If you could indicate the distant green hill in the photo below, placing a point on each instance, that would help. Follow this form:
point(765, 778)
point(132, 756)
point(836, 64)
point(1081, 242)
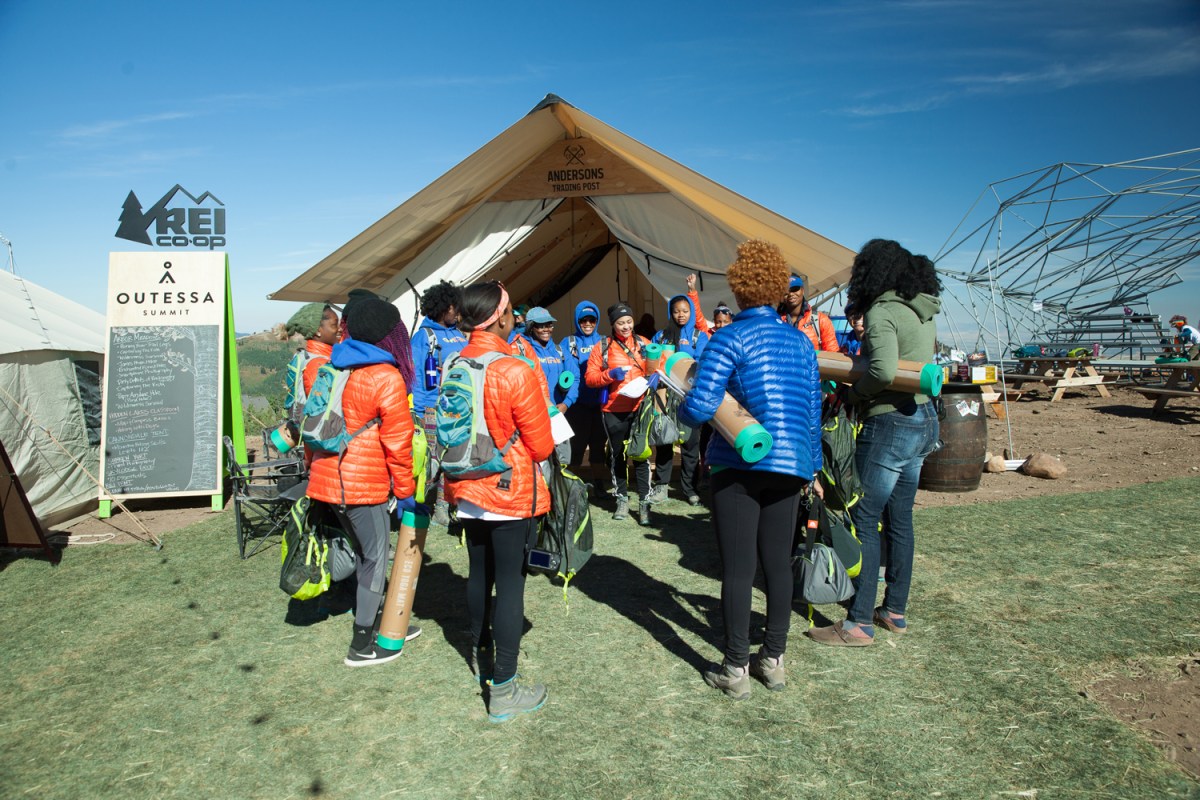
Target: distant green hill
point(262, 366)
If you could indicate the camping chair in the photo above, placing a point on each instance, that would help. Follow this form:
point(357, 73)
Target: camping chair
point(263, 494)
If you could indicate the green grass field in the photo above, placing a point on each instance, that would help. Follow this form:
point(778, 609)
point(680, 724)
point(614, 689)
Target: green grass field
point(187, 673)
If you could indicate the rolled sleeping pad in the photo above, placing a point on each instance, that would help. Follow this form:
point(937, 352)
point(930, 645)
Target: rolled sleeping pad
point(750, 440)
point(931, 380)
point(282, 438)
point(566, 379)
point(911, 376)
point(402, 586)
point(654, 350)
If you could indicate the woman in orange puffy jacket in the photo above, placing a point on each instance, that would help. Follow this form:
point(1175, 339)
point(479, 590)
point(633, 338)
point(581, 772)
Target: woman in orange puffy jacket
point(376, 466)
point(615, 362)
point(499, 512)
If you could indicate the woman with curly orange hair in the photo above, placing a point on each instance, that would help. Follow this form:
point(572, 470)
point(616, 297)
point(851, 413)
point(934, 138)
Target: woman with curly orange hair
point(771, 369)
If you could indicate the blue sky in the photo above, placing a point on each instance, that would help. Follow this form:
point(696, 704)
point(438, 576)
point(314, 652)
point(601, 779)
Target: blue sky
point(310, 120)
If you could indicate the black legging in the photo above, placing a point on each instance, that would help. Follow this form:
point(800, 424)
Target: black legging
point(590, 435)
point(755, 517)
point(617, 425)
point(689, 460)
point(496, 552)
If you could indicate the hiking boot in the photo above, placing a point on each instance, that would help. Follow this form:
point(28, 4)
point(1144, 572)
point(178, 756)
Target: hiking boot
point(506, 700)
point(622, 511)
point(656, 495)
point(733, 681)
point(441, 513)
point(644, 513)
point(769, 671)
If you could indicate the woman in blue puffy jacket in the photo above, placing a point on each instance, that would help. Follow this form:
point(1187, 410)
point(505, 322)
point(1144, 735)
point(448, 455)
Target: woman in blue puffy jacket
point(682, 333)
point(769, 367)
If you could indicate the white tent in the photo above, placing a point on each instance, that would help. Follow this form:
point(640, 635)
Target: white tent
point(51, 359)
point(561, 208)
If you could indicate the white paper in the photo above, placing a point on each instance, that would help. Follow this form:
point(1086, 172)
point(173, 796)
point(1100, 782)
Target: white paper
point(635, 388)
point(560, 429)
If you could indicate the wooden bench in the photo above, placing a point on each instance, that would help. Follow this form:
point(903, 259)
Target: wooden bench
point(1183, 374)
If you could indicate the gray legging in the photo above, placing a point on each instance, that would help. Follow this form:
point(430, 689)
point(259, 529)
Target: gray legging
point(368, 528)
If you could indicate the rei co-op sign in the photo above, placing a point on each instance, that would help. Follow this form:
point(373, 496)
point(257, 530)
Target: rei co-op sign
point(170, 222)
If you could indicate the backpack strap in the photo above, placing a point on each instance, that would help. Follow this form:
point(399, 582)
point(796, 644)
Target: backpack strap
point(353, 436)
point(629, 353)
point(607, 343)
point(505, 477)
point(573, 346)
point(435, 346)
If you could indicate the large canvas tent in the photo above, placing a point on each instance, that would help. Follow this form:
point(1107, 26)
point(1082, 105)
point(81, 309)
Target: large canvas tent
point(51, 359)
point(561, 208)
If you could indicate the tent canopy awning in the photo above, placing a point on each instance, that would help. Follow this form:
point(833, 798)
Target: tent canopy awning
point(34, 318)
point(662, 213)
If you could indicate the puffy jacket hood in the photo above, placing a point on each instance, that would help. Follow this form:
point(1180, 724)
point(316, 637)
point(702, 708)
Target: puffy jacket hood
point(695, 338)
point(353, 353)
point(925, 306)
point(587, 309)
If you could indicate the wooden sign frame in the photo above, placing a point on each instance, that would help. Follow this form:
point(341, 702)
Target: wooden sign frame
point(166, 391)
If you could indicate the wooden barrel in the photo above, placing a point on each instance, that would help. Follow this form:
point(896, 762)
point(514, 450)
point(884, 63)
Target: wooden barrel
point(958, 464)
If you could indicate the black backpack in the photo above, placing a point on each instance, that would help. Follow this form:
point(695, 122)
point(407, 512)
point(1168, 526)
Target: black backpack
point(839, 472)
point(564, 542)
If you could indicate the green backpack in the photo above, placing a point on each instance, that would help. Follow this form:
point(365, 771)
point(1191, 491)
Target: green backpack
point(304, 553)
point(839, 472)
point(564, 542)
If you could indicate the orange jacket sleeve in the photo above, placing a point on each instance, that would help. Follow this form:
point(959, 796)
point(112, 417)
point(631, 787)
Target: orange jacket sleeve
point(828, 335)
point(595, 377)
point(396, 434)
point(532, 418)
point(701, 323)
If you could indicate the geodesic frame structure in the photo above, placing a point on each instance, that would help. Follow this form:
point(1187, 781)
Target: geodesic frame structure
point(1072, 248)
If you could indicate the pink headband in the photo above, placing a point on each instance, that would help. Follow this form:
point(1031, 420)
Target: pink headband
point(490, 321)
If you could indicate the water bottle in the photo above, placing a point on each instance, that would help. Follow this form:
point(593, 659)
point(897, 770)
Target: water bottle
point(432, 375)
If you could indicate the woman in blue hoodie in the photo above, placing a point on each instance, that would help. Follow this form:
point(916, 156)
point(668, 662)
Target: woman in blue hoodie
point(584, 414)
point(683, 334)
point(770, 369)
point(436, 340)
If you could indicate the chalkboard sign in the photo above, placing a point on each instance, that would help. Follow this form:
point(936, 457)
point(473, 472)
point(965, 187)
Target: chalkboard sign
point(162, 412)
point(163, 387)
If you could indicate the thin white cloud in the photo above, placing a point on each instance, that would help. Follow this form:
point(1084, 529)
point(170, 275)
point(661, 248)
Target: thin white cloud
point(91, 131)
point(135, 163)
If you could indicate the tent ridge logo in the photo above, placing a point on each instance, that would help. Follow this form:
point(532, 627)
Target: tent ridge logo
point(197, 225)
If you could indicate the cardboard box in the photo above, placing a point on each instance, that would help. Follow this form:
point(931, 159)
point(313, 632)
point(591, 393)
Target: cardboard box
point(984, 374)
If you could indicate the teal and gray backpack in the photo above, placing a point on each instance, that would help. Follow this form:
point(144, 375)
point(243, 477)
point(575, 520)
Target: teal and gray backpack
point(296, 396)
point(465, 448)
point(324, 427)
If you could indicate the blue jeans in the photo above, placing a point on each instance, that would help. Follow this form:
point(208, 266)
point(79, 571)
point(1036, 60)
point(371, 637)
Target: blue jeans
point(891, 448)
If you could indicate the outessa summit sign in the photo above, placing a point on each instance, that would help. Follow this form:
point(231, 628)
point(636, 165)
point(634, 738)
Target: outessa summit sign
point(175, 223)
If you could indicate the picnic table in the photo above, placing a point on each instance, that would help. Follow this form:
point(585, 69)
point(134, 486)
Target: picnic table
point(1181, 382)
point(1058, 373)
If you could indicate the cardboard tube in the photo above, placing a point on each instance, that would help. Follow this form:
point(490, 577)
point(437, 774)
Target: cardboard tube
point(911, 376)
point(750, 440)
point(402, 586)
